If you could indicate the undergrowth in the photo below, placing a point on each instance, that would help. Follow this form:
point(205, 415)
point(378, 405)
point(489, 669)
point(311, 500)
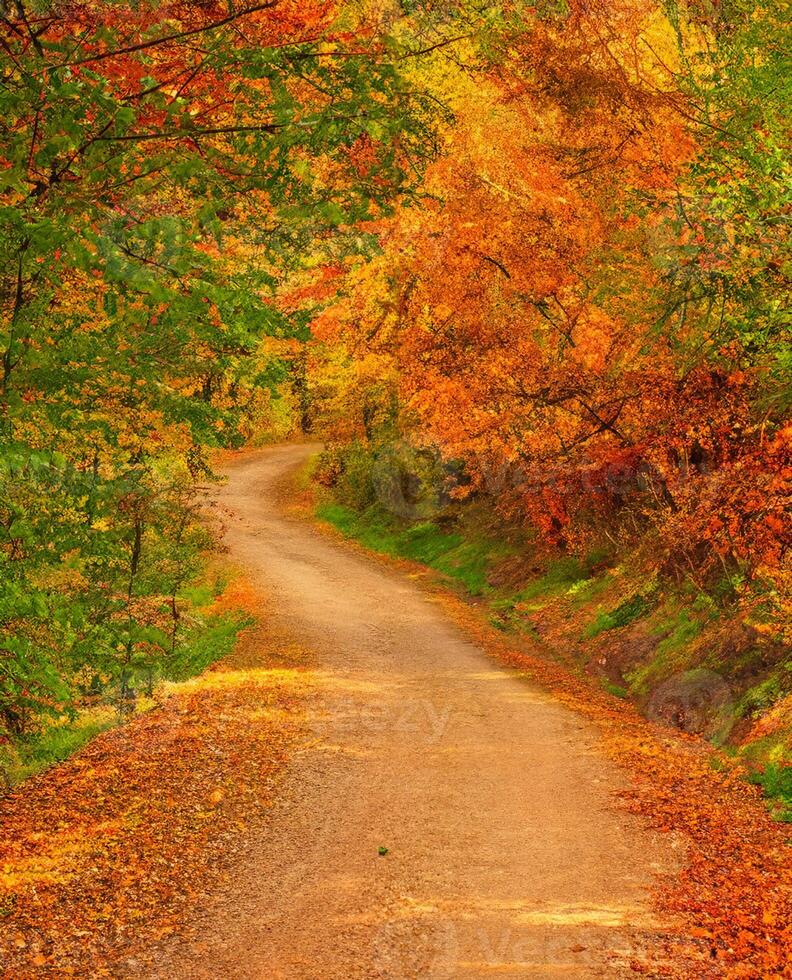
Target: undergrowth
point(775, 780)
point(464, 560)
point(208, 637)
point(625, 613)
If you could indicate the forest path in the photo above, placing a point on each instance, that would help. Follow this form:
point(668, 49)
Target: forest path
point(507, 853)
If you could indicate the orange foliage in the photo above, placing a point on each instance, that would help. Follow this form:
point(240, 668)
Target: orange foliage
point(525, 305)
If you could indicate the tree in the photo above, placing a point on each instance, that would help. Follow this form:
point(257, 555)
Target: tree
point(162, 169)
point(586, 310)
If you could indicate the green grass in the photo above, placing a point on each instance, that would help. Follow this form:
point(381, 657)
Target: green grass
point(677, 631)
point(39, 751)
point(616, 690)
point(582, 592)
point(204, 645)
point(775, 778)
point(630, 610)
point(561, 577)
point(205, 589)
point(465, 560)
point(508, 610)
point(770, 767)
point(760, 697)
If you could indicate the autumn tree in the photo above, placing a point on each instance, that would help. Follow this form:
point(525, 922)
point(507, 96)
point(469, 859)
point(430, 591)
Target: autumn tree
point(586, 310)
point(162, 167)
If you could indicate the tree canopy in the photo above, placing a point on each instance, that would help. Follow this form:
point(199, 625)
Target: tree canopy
point(545, 240)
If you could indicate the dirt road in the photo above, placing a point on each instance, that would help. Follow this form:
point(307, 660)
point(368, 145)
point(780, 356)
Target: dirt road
point(507, 854)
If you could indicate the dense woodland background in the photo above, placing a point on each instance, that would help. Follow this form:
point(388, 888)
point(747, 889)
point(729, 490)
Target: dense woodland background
point(521, 265)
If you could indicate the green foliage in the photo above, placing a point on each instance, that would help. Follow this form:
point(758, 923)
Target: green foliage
point(387, 473)
point(675, 632)
point(625, 613)
point(208, 640)
point(775, 778)
point(153, 203)
point(617, 690)
point(462, 560)
point(206, 643)
point(762, 696)
point(561, 575)
point(737, 191)
point(586, 589)
point(53, 744)
point(355, 484)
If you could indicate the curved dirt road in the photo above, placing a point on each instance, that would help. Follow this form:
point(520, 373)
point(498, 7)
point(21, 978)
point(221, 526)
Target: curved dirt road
point(507, 855)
